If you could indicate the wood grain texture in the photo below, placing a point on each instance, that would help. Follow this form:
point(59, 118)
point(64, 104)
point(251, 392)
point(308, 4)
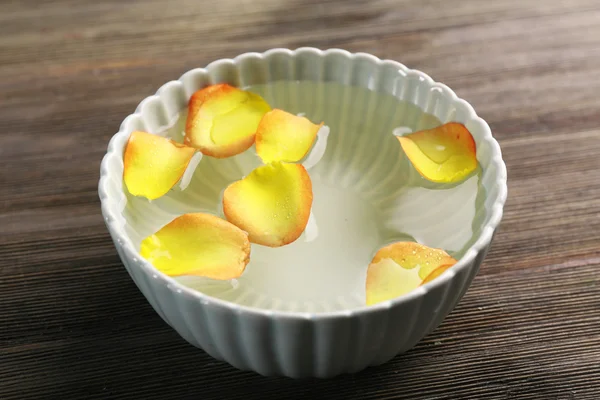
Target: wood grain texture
point(73, 324)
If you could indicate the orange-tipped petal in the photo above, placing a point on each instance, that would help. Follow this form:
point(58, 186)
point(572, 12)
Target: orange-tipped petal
point(436, 272)
point(443, 154)
point(272, 204)
point(411, 255)
point(152, 164)
point(401, 267)
point(387, 280)
point(282, 136)
point(222, 120)
point(198, 244)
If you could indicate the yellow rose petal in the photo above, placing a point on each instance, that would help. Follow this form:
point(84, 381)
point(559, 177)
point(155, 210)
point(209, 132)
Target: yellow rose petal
point(414, 255)
point(198, 244)
point(152, 164)
point(272, 204)
point(443, 154)
point(282, 136)
point(222, 120)
point(401, 267)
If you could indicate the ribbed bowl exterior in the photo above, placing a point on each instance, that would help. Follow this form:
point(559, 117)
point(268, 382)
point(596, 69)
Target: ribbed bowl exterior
point(296, 344)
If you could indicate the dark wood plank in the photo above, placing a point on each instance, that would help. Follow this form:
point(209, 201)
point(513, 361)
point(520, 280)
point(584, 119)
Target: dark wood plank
point(73, 325)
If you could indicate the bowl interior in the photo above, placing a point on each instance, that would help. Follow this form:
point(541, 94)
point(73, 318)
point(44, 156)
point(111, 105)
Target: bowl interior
point(366, 195)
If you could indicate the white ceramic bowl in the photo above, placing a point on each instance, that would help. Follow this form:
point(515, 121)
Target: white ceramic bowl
point(292, 343)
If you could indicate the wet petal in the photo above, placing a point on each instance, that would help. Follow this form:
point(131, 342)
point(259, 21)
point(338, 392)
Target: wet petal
point(411, 255)
point(401, 267)
point(222, 120)
point(282, 136)
point(198, 244)
point(152, 164)
point(436, 272)
point(443, 154)
point(387, 280)
point(272, 204)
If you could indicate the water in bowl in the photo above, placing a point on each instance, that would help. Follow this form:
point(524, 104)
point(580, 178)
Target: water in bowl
point(366, 195)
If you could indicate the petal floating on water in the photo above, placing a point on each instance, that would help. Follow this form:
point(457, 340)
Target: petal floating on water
point(152, 164)
point(272, 204)
point(443, 154)
point(400, 267)
point(198, 244)
point(222, 120)
point(282, 136)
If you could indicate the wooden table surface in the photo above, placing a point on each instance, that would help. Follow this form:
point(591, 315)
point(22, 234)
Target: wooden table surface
point(73, 324)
